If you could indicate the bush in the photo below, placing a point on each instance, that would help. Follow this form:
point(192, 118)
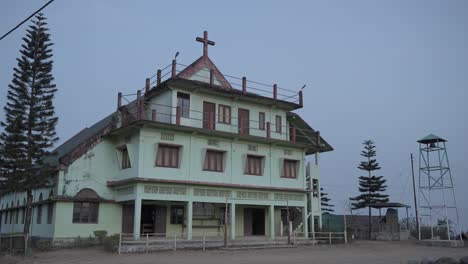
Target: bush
point(82, 243)
point(111, 243)
point(101, 235)
point(43, 245)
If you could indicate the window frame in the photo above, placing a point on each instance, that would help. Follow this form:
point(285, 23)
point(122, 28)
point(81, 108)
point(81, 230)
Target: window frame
point(93, 212)
point(278, 124)
point(175, 218)
point(206, 162)
point(247, 167)
point(160, 156)
point(261, 120)
point(222, 118)
point(125, 163)
point(294, 166)
point(184, 104)
point(50, 213)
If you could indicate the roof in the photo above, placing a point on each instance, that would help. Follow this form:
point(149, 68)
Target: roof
point(306, 134)
point(75, 141)
point(431, 138)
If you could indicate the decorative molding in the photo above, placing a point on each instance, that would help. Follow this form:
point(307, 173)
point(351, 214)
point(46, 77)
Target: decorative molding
point(166, 190)
point(253, 195)
point(288, 196)
point(167, 136)
point(253, 147)
point(213, 142)
point(211, 192)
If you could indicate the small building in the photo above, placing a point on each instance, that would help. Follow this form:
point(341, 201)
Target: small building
point(175, 156)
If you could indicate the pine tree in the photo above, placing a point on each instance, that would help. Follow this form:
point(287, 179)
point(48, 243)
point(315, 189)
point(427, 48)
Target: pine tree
point(370, 186)
point(29, 127)
point(324, 202)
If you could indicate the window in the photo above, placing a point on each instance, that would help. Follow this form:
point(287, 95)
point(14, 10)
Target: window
point(254, 165)
point(23, 211)
point(214, 161)
point(177, 214)
point(6, 217)
point(50, 213)
point(125, 158)
point(289, 169)
point(16, 216)
point(39, 215)
point(168, 156)
point(11, 217)
point(183, 101)
point(85, 212)
point(261, 121)
point(278, 124)
point(224, 114)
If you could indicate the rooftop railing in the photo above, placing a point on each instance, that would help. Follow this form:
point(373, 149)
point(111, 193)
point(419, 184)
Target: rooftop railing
point(133, 107)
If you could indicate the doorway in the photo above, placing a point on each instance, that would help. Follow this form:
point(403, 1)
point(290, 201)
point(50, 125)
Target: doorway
point(209, 115)
point(254, 221)
point(153, 219)
point(243, 121)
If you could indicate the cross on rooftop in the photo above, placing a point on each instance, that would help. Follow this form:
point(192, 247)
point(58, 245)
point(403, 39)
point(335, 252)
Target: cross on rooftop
point(205, 42)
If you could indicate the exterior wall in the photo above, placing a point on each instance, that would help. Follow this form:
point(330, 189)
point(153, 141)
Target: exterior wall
point(316, 209)
point(193, 149)
point(165, 105)
point(109, 219)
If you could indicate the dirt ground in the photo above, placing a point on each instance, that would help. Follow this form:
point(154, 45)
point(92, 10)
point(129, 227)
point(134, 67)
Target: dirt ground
point(356, 252)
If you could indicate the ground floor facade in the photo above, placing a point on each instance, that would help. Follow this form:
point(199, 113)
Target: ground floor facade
point(166, 209)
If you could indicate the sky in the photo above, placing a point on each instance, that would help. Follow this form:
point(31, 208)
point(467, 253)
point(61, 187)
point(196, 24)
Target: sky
point(390, 71)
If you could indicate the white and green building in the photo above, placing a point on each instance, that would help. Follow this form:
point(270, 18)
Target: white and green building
point(172, 159)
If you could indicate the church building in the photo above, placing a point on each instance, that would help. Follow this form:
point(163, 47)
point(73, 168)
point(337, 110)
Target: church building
point(178, 156)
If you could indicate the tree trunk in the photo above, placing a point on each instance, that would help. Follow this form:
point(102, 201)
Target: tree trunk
point(370, 223)
point(28, 214)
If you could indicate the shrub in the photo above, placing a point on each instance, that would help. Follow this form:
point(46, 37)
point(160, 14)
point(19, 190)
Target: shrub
point(43, 245)
point(111, 243)
point(101, 235)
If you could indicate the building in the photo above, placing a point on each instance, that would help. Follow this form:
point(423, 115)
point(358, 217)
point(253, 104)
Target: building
point(183, 150)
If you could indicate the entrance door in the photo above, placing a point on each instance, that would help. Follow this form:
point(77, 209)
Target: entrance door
point(127, 218)
point(160, 219)
point(243, 121)
point(254, 222)
point(209, 115)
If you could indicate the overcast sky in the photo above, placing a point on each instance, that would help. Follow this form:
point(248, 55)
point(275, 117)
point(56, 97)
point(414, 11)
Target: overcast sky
point(390, 71)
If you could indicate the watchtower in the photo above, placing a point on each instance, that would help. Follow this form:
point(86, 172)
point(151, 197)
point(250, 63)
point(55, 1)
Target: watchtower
point(436, 189)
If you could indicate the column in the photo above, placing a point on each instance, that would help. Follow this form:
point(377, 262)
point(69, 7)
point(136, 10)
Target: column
point(137, 218)
point(233, 221)
point(305, 221)
point(272, 222)
point(189, 219)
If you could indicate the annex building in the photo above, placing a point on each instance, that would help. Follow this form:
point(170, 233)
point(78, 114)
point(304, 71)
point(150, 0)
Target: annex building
point(175, 156)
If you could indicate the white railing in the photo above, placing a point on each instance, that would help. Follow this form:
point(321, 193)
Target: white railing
point(324, 237)
point(151, 240)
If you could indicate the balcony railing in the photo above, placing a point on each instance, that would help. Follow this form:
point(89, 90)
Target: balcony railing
point(133, 107)
point(148, 111)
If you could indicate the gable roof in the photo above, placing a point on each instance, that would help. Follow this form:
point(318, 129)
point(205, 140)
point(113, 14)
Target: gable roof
point(201, 67)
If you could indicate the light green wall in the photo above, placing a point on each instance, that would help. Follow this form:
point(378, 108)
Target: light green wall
point(109, 219)
point(193, 153)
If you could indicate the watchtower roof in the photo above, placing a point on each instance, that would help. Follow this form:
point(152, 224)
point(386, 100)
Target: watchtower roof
point(431, 138)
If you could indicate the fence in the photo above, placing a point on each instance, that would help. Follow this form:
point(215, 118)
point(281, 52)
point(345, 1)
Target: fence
point(168, 241)
point(13, 243)
point(322, 237)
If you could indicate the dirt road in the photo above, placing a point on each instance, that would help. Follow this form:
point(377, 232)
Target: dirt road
point(357, 252)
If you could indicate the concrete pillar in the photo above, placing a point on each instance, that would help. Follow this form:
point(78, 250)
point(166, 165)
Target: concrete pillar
point(137, 218)
point(304, 220)
point(233, 221)
point(272, 222)
point(189, 219)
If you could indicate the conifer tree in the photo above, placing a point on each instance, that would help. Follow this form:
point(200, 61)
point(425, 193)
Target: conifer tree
point(29, 126)
point(327, 207)
point(370, 185)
